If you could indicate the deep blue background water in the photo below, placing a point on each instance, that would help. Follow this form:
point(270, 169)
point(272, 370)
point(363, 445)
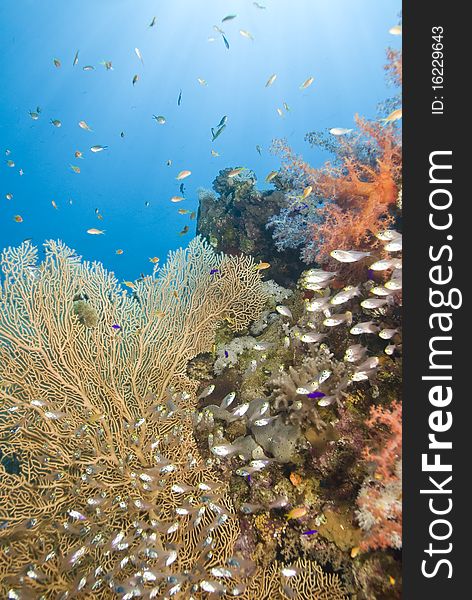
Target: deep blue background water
point(340, 43)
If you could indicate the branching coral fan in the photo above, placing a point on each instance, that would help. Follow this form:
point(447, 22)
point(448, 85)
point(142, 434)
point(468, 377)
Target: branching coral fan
point(103, 493)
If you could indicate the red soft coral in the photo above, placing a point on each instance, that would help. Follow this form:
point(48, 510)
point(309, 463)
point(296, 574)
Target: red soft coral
point(359, 196)
point(379, 501)
point(394, 66)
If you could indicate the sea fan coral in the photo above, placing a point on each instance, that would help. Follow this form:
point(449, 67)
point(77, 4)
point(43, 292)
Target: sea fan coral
point(103, 491)
point(97, 421)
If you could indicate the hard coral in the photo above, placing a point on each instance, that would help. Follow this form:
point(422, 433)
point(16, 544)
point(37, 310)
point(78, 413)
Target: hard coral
point(235, 218)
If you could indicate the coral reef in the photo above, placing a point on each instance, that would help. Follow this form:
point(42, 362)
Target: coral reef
point(234, 220)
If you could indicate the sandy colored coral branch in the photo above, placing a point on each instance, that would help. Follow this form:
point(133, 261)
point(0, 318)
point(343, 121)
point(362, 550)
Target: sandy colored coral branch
point(101, 491)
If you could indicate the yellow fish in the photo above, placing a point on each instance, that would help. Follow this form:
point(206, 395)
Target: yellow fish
point(355, 551)
point(214, 153)
point(177, 199)
point(307, 191)
point(154, 259)
point(297, 512)
point(395, 30)
point(393, 116)
point(95, 418)
point(307, 83)
point(94, 231)
point(183, 174)
point(192, 215)
point(78, 154)
point(75, 169)
point(119, 251)
point(279, 112)
point(246, 34)
point(183, 211)
point(235, 172)
point(184, 230)
point(18, 218)
point(83, 125)
point(271, 176)
point(54, 204)
point(129, 284)
point(160, 314)
point(262, 265)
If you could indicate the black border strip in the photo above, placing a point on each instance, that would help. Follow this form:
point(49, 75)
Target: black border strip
point(425, 132)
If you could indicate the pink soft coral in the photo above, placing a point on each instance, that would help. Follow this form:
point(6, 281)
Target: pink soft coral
point(379, 501)
point(359, 195)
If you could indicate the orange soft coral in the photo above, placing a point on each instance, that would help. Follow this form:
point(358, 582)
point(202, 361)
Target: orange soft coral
point(359, 195)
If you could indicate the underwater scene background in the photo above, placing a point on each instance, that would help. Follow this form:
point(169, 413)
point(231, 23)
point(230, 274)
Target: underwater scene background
point(200, 302)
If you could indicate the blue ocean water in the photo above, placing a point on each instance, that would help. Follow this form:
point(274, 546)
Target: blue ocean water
point(338, 42)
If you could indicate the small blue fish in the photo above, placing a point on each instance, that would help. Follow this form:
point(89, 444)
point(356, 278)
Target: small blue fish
point(316, 395)
point(310, 532)
point(226, 354)
point(213, 271)
point(115, 326)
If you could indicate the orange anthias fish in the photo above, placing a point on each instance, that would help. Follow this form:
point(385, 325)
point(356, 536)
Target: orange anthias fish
point(307, 83)
point(396, 115)
point(297, 512)
point(18, 218)
point(262, 265)
point(306, 192)
point(183, 174)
